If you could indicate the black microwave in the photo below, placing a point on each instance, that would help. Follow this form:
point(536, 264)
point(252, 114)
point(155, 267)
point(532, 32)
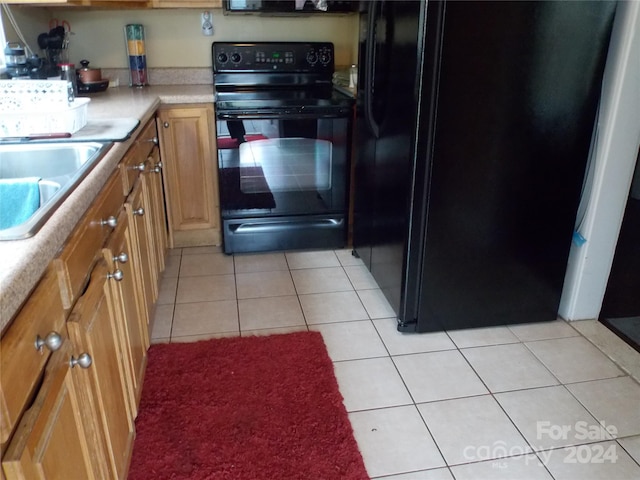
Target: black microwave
point(292, 7)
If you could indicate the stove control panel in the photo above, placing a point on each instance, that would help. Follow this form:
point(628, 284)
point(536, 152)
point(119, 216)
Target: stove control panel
point(270, 57)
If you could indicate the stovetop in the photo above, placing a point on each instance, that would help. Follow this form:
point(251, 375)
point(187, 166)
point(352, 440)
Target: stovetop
point(275, 75)
point(282, 98)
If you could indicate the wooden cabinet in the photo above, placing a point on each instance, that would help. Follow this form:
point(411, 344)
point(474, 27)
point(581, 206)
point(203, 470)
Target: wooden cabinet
point(153, 188)
point(137, 215)
point(123, 262)
point(55, 437)
point(145, 207)
point(94, 327)
point(42, 316)
point(123, 3)
point(84, 3)
point(98, 294)
point(187, 4)
point(73, 265)
point(187, 143)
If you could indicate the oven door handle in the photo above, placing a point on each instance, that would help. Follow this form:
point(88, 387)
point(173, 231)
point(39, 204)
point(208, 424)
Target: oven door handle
point(280, 115)
point(276, 226)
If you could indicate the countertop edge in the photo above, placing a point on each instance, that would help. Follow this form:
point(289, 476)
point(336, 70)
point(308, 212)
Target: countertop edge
point(25, 261)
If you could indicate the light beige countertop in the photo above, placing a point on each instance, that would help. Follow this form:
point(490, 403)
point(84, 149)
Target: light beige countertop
point(24, 261)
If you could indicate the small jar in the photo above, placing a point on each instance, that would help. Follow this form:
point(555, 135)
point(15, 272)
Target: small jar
point(68, 72)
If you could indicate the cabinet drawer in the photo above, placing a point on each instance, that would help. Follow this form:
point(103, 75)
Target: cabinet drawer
point(83, 247)
point(137, 155)
point(21, 364)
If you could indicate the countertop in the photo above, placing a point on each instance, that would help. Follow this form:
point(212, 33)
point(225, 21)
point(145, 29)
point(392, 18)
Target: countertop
point(24, 261)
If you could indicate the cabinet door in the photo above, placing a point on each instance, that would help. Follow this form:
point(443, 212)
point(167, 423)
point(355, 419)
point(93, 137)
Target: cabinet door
point(137, 213)
point(154, 197)
point(21, 362)
point(54, 437)
point(123, 262)
point(187, 4)
point(190, 175)
point(93, 327)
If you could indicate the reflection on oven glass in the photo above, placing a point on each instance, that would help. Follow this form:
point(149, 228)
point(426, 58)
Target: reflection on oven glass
point(285, 165)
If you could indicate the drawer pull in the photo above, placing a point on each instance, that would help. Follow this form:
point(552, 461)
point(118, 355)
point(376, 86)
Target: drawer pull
point(121, 258)
point(117, 275)
point(153, 140)
point(165, 124)
point(84, 360)
point(139, 212)
point(141, 167)
point(111, 221)
point(53, 341)
point(157, 168)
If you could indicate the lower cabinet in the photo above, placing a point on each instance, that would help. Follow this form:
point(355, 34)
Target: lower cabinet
point(73, 359)
point(94, 328)
point(42, 319)
point(152, 185)
point(138, 212)
point(187, 142)
point(123, 263)
point(54, 438)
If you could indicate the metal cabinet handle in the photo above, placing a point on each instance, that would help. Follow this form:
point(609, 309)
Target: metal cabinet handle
point(84, 360)
point(111, 221)
point(121, 258)
point(153, 140)
point(139, 212)
point(141, 167)
point(117, 275)
point(165, 124)
point(53, 341)
point(157, 168)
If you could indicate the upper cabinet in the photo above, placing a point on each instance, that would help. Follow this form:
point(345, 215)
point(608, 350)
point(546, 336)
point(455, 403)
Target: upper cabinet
point(187, 4)
point(123, 3)
point(114, 3)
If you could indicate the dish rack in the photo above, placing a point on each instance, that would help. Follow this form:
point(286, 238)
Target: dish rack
point(34, 107)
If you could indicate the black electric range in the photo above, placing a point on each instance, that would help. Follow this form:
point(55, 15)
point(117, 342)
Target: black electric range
point(283, 137)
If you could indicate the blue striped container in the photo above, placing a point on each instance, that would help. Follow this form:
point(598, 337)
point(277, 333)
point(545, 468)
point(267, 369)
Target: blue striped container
point(134, 41)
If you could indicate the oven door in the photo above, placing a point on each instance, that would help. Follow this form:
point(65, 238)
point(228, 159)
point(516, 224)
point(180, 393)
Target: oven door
point(283, 179)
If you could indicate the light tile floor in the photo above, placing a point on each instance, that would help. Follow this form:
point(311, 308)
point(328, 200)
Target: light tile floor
point(522, 402)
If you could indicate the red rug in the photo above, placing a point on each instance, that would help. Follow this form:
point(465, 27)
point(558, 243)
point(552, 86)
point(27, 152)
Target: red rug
point(244, 408)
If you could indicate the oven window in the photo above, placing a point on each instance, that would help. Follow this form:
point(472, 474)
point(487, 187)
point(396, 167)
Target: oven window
point(277, 155)
point(287, 164)
point(282, 166)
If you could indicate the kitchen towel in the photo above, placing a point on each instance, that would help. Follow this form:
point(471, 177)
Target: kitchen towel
point(19, 199)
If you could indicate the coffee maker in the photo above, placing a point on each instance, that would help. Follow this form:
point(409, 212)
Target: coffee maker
point(21, 66)
point(16, 60)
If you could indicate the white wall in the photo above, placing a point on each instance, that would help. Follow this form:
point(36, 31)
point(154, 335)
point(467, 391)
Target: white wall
point(173, 37)
point(615, 158)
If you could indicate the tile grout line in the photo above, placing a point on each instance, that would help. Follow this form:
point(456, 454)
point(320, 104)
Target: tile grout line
point(459, 349)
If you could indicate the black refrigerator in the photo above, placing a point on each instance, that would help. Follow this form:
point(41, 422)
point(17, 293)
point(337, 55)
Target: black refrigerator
point(473, 130)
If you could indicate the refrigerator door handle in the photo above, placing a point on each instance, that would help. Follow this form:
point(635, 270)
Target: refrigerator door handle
point(370, 70)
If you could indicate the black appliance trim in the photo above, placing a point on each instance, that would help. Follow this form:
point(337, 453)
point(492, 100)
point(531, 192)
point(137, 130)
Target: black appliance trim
point(287, 8)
